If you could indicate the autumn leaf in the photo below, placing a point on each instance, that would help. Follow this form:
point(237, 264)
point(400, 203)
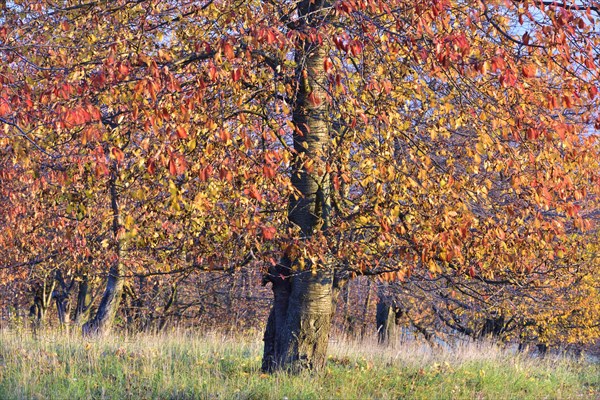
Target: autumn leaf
point(268, 232)
point(529, 70)
point(181, 132)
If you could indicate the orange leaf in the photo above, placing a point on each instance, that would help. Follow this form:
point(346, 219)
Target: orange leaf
point(225, 135)
point(117, 154)
point(253, 193)
point(181, 132)
point(228, 51)
point(172, 166)
point(269, 172)
point(4, 108)
point(327, 65)
point(313, 99)
point(268, 232)
point(529, 70)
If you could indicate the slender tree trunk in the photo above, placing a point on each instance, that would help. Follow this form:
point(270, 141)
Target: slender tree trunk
point(41, 303)
point(164, 318)
point(386, 323)
point(366, 306)
point(297, 332)
point(279, 276)
point(492, 327)
point(386, 316)
point(109, 304)
point(83, 300)
point(61, 298)
point(62, 309)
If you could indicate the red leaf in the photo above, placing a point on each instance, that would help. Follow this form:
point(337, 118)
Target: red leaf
point(172, 166)
point(253, 193)
point(268, 232)
point(472, 271)
point(508, 78)
point(181, 132)
point(212, 73)
point(228, 51)
point(226, 174)
point(529, 70)
point(117, 154)
point(151, 165)
point(4, 108)
point(205, 173)
point(313, 99)
point(532, 134)
point(269, 172)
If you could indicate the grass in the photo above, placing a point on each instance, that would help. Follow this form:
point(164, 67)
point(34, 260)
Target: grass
point(187, 366)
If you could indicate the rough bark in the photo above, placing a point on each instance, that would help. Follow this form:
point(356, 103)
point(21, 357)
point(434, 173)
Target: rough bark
point(308, 321)
point(102, 322)
point(386, 323)
point(366, 306)
point(386, 317)
point(41, 303)
point(62, 309)
point(273, 337)
point(83, 299)
point(297, 332)
point(61, 298)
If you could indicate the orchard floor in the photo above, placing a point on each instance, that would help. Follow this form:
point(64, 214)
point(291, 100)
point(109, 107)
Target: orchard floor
point(179, 365)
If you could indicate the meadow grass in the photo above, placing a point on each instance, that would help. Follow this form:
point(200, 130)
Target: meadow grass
point(184, 365)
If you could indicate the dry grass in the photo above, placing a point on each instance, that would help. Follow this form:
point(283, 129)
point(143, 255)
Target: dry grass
point(185, 365)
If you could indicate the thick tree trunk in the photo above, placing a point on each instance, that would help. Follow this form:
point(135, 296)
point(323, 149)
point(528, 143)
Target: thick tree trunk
point(308, 321)
point(109, 304)
point(297, 332)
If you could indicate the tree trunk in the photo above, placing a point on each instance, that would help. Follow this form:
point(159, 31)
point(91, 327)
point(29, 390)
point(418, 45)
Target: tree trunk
point(276, 324)
point(365, 312)
point(386, 323)
point(297, 332)
point(109, 304)
point(107, 310)
point(492, 327)
point(83, 300)
point(41, 303)
point(61, 298)
point(308, 321)
point(62, 309)
point(386, 316)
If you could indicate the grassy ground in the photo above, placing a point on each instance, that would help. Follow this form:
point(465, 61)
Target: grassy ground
point(185, 366)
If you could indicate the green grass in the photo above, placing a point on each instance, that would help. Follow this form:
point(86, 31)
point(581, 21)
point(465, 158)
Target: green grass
point(186, 366)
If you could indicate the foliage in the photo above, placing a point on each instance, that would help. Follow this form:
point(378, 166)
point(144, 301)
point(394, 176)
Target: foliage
point(460, 151)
